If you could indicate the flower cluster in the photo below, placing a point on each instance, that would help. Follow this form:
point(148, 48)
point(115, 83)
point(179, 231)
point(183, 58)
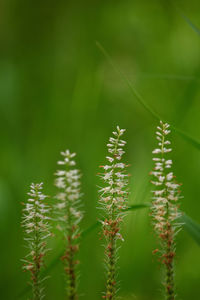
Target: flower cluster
point(113, 198)
point(68, 183)
point(166, 194)
point(36, 225)
point(69, 215)
point(114, 193)
point(165, 207)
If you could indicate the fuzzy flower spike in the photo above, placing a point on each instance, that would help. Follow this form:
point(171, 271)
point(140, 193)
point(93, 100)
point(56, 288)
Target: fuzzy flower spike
point(113, 197)
point(165, 207)
point(69, 216)
point(36, 227)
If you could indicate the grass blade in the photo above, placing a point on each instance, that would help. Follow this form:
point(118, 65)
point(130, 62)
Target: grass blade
point(188, 21)
point(192, 228)
point(169, 77)
point(126, 80)
point(194, 27)
point(191, 140)
point(138, 206)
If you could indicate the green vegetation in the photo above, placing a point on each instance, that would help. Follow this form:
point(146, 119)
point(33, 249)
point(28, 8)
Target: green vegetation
point(58, 91)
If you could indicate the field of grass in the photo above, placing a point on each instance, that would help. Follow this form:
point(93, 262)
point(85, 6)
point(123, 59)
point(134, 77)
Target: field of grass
point(71, 71)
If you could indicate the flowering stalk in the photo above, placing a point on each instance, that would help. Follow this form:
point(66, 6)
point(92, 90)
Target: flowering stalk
point(35, 223)
point(165, 206)
point(69, 216)
point(113, 203)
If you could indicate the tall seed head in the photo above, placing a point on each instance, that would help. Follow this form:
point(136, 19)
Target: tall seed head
point(113, 195)
point(113, 198)
point(165, 207)
point(69, 196)
point(166, 192)
point(37, 230)
point(69, 216)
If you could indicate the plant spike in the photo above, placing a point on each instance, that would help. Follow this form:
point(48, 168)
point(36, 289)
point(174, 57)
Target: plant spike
point(36, 227)
point(113, 203)
point(69, 217)
point(165, 207)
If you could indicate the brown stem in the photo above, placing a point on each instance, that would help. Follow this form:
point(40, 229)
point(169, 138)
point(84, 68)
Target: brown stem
point(37, 260)
point(168, 260)
point(70, 269)
point(111, 257)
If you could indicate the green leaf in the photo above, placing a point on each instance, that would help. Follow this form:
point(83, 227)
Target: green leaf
point(163, 76)
point(192, 228)
point(138, 206)
point(188, 21)
point(191, 140)
point(128, 83)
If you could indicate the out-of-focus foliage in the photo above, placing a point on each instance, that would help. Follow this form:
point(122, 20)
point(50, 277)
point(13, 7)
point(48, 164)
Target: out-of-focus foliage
point(58, 91)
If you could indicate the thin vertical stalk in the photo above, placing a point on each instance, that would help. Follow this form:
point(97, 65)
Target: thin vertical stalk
point(69, 217)
point(113, 201)
point(165, 206)
point(35, 222)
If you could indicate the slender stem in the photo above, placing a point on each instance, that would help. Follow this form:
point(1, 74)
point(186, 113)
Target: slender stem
point(35, 222)
point(168, 245)
point(37, 258)
point(71, 271)
point(69, 257)
point(168, 261)
point(111, 275)
point(113, 197)
point(111, 247)
point(68, 182)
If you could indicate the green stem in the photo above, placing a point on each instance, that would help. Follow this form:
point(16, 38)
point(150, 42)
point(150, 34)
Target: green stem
point(170, 283)
point(111, 247)
point(169, 263)
point(111, 275)
point(69, 257)
point(36, 270)
point(168, 245)
point(71, 272)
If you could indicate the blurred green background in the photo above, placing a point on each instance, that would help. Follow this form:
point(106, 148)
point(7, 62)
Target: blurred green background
point(58, 91)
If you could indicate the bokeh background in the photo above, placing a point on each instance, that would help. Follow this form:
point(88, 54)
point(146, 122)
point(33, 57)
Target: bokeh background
point(58, 91)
